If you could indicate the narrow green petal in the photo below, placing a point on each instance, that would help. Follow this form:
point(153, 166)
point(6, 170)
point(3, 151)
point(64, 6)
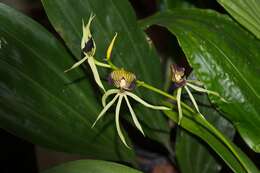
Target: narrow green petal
point(77, 64)
point(136, 122)
point(93, 67)
point(86, 34)
point(105, 109)
point(138, 99)
point(205, 91)
point(107, 94)
point(192, 99)
point(84, 37)
point(179, 104)
point(117, 121)
point(197, 82)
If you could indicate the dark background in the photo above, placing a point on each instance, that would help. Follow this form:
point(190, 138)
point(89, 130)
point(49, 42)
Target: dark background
point(17, 155)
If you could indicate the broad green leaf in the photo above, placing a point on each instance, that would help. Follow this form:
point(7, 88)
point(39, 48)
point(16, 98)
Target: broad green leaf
point(41, 103)
point(131, 50)
point(226, 58)
point(192, 154)
point(91, 166)
point(199, 127)
point(171, 4)
point(246, 12)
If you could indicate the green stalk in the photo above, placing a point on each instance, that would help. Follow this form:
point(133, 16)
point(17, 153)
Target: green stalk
point(152, 88)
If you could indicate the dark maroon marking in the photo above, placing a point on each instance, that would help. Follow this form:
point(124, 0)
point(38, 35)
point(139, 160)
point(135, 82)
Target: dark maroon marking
point(180, 84)
point(132, 85)
point(110, 80)
point(88, 46)
point(176, 68)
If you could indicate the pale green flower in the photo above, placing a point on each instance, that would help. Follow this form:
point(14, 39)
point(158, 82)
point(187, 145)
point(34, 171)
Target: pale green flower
point(180, 82)
point(124, 81)
point(88, 48)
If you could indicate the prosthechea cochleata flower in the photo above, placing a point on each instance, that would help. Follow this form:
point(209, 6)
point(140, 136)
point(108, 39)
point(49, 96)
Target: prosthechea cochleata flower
point(124, 81)
point(178, 77)
point(88, 48)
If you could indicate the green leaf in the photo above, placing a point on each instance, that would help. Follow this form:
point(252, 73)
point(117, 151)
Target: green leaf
point(91, 166)
point(171, 4)
point(41, 103)
point(226, 58)
point(131, 49)
point(201, 128)
point(246, 12)
point(192, 154)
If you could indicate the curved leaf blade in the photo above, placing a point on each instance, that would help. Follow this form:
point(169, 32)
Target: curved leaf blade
point(247, 13)
point(131, 50)
point(192, 154)
point(91, 166)
point(226, 58)
point(197, 126)
point(42, 104)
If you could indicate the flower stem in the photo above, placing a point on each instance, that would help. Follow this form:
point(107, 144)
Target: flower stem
point(152, 88)
point(101, 64)
point(112, 65)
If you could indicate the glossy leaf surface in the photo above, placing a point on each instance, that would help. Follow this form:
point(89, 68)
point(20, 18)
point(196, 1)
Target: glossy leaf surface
point(199, 127)
point(42, 104)
point(246, 12)
point(226, 58)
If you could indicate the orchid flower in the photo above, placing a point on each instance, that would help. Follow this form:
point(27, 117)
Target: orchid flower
point(180, 82)
point(124, 81)
point(88, 48)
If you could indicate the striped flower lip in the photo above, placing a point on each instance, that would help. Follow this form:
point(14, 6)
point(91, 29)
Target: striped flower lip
point(178, 75)
point(122, 79)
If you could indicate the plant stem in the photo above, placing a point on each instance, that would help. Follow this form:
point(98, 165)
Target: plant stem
point(112, 65)
point(152, 88)
point(101, 64)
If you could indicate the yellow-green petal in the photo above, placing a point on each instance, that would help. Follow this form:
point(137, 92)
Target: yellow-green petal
point(192, 99)
point(107, 94)
point(110, 47)
point(179, 104)
point(136, 122)
point(199, 89)
point(76, 64)
point(117, 121)
point(138, 99)
point(105, 109)
point(93, 67)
